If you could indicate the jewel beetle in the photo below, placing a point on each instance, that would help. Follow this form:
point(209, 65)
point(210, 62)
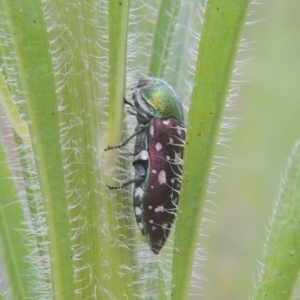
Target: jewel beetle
point(157, 159)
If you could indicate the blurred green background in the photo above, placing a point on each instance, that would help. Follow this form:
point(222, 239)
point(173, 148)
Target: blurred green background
point(268, 109)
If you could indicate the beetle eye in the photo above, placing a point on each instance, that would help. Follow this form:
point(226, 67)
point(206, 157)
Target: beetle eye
point(146, 81)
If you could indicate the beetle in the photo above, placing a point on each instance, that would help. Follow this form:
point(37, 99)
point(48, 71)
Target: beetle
point(157, 159)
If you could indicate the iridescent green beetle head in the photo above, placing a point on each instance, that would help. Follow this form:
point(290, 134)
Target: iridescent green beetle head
point(155, 98)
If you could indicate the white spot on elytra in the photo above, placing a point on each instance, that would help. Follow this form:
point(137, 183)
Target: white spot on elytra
point(154, 171)
point(137, 211)
point(151, 130)
point(166, 122)
point(150, 207)
point(158, 146)
point(138, 192)
point(153, 228)
point(162, 177)
point(159, 208)
point(141, 225)
point(152, 187)
point(168, 157)
point(151, 221)
point(171, 141)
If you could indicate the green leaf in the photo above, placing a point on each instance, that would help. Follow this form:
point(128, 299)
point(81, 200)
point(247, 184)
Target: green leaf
point(218, 47)
point(30, 40)
point(163, 34)
point(282, 255)
point(14, 236)
point(11, 111)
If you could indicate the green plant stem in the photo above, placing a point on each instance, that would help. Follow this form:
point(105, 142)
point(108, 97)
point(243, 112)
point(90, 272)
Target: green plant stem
point(217, 51)
point(75, 42)
point(118, 233)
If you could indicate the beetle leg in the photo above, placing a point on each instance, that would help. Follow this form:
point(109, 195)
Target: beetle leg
point(135, 180)
point(140, 172)
point(138, 130)
point(131, 112)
